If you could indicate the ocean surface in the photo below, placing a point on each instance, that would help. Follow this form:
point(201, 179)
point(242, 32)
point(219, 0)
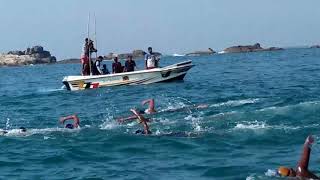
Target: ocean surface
point(262, 106)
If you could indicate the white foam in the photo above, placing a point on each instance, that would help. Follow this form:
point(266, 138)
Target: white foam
point(284, 108)
point(107, 125)
point(236, 102)
point(271, 173)
point(178, 55)
point(29, 132)
point(195, 121)
point(258, 125)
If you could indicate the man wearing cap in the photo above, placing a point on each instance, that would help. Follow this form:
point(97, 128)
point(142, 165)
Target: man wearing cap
point(302, 167)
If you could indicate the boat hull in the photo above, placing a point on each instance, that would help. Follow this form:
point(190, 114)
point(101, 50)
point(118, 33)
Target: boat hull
point(165, 74)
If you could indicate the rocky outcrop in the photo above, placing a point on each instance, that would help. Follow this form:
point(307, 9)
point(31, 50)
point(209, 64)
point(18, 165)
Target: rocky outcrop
point(315, 46)
point(34, 55)
point(135, 54)
point(249, 48)
point(202, 53)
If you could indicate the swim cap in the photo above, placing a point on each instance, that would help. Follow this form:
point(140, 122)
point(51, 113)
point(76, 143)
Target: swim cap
point(139, 132)
point(284, 171)
point(23, 129)
point(69, 126)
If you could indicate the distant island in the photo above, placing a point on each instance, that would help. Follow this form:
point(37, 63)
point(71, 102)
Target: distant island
point(37, 55)
point(202, 53)
point(33, 55)
point(315, 46)
point(136, 54)
point(249, 48)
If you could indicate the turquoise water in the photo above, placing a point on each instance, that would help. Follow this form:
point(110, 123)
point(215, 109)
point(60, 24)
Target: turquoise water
point(261, 108)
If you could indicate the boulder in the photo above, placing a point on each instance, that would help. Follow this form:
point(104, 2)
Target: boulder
point(34, 55)
point(202, 53)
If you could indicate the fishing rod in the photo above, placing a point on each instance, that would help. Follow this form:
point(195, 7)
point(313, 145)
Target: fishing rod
point(95, 35)
point(89, 56)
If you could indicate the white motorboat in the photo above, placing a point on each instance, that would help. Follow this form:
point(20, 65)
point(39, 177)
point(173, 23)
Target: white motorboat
point(165, 74)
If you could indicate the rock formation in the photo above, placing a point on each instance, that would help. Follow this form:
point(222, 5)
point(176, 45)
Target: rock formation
point(136, 54)
point(249, 48)
point(315, 46)
point(34, 55)
point(202, 53)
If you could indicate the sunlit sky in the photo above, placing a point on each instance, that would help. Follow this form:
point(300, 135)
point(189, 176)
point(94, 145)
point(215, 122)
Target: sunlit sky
point(169, 26)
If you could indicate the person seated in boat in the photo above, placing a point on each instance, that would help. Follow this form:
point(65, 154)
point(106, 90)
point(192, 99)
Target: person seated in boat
point(76, 121)
point(302, 169)
point(151, 110)
point(130, 64)
point(116, 66)
point(151, 59)
point(96, 70)
point(105, 69)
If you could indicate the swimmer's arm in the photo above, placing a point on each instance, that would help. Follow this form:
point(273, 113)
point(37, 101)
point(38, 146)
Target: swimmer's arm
point(130, 118)
point(151, 104)
point(74, 117)
point(305, 157)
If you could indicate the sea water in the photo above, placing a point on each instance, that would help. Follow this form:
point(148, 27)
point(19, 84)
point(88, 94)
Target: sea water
point(262, 106)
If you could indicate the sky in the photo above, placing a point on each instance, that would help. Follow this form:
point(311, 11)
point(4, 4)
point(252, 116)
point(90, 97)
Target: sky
point(169, 26)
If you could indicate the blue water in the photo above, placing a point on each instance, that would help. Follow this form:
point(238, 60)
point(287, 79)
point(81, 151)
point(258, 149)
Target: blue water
point(262, 107)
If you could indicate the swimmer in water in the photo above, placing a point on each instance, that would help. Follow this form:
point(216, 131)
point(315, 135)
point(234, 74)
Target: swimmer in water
point(302, 170)
point(151, 110)
point(21, 130)
point(141, 120)
point(146, 130)
point(76, 121)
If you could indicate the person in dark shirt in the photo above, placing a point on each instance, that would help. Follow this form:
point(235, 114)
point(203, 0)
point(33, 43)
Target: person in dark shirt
point(96, 70)
point(105, 69)
point(116, 66)
point(130, 64)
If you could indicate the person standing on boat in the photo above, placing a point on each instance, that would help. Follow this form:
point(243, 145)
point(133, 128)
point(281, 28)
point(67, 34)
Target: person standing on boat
point(85, 59)
point(130, 64)
point(151, 59)
point(88, 48)
point(96, 70)
point(116, 66)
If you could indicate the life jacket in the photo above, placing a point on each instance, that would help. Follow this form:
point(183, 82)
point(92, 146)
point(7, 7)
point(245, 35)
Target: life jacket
point(95, 69)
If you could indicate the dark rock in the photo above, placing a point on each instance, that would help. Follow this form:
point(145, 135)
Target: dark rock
point(19, 53)
point(202, 53)
point(135, 54)
point(34, 55)
point(315, 46)
point(138, 53)
point(249, 48)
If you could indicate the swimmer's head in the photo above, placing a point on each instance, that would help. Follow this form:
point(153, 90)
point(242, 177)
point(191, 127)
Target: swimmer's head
point(69, 126)
point(23, 129)
point(285, 171)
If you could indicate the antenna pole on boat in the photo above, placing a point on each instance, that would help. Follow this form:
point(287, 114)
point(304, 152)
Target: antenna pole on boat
point(95, 34)
point(89, 41)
